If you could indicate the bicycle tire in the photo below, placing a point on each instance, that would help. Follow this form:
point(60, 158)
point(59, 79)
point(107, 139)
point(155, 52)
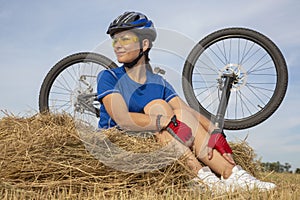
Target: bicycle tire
point(65, 65)
point(219, 40)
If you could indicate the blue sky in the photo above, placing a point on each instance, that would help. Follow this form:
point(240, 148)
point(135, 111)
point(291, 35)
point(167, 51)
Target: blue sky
point(36, 34)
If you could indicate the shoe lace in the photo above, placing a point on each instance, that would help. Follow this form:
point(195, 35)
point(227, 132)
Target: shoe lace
point(246, 177)
point(211, 178)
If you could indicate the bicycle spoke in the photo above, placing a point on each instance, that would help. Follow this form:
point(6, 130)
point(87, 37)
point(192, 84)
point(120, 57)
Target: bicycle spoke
point(206, 89)
point(229, 52)
point(223, 52)
point(242, 97)
point(71, 75)
point(205, 74)
point(206, 97)
point(255, 94)
point(60, 93)
point(204, 82)
point(246, 52)
point(249, 57)
point(259, 90)
point(66, 82)
point(58, 107)
point(212, 103)
point(224, 63)
point(255, 64)
point(241, 100)
point(236, 106)
point(208, 67)
point(62, 86)
point(238, 51)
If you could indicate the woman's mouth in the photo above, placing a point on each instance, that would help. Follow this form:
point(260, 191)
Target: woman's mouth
point(119, 54)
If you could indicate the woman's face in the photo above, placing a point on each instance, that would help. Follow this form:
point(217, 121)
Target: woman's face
point(126, 46)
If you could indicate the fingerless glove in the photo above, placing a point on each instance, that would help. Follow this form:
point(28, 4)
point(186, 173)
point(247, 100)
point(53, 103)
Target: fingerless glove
point(217, 141)
point(180, 131)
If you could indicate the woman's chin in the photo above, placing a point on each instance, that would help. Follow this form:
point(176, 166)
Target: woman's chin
point(120, 60)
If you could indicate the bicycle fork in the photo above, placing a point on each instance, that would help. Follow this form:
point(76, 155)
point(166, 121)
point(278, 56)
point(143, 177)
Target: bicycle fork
point(226, 90)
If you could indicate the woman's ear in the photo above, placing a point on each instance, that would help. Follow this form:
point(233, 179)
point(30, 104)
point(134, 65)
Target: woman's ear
point(146, 44)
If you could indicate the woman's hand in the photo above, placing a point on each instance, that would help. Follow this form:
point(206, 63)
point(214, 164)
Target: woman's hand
point(217, 141)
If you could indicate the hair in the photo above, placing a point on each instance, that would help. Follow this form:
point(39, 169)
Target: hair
point(142, 37)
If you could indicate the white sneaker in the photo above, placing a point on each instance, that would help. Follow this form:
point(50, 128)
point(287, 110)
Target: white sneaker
point(240, 179)
point(212, 182)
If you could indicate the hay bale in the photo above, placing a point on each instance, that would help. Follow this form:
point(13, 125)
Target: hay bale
point(245, 156)
point(45, 151)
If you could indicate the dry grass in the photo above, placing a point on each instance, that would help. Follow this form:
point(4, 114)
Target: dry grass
point(43, 157)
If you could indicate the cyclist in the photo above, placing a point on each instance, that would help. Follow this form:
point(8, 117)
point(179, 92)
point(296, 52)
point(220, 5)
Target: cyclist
point(133, 98)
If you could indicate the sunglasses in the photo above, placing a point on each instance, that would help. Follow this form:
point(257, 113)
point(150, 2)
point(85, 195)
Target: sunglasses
point(125, 40)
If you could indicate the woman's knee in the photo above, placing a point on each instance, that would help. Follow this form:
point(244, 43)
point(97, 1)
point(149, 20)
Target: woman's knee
point(182, 113)
point(158, 106)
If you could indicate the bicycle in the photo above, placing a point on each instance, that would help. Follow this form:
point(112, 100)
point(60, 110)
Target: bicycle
point(235, 76)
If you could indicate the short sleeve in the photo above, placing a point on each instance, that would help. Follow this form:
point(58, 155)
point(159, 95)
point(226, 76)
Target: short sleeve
point(106, 82)
point(169, 92)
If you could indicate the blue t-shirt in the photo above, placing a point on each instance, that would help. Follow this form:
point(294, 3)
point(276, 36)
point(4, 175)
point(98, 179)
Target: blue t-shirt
point(136, 95)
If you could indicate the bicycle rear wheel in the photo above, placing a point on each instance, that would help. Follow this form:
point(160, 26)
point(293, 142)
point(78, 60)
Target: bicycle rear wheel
point(258, 64)
point(70, 86)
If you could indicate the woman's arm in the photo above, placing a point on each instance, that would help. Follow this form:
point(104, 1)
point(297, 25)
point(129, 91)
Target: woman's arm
point(118, 110)
point(178, 103)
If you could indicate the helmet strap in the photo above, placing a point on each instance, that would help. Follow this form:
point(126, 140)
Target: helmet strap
point(134, 62)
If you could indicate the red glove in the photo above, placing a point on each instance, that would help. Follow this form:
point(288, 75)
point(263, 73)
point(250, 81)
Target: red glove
point(180, 131)
point(217, 141)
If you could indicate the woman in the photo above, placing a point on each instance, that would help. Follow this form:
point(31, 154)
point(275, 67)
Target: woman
point(133, 98)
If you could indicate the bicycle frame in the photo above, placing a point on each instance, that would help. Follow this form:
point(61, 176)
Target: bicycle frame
point(86, 102)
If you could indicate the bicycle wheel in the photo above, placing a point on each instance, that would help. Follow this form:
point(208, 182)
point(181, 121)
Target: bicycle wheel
point(258, 64)
point(70, 86)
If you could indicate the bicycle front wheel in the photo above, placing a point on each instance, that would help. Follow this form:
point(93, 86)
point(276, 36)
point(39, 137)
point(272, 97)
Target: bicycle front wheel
point(257, 63)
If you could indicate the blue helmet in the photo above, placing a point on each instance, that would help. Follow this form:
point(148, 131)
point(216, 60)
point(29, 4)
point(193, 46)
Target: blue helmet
point(133, 20)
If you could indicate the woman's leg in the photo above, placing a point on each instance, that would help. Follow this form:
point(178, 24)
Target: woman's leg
point(218, 163)
point(157, 107)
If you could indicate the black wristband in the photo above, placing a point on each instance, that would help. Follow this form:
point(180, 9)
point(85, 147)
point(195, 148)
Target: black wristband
point(158, 126)
point(215, 131)
point(173, 121)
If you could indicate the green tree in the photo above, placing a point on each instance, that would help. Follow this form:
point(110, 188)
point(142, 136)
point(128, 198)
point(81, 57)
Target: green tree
point(287, 167)
point(276, 166)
